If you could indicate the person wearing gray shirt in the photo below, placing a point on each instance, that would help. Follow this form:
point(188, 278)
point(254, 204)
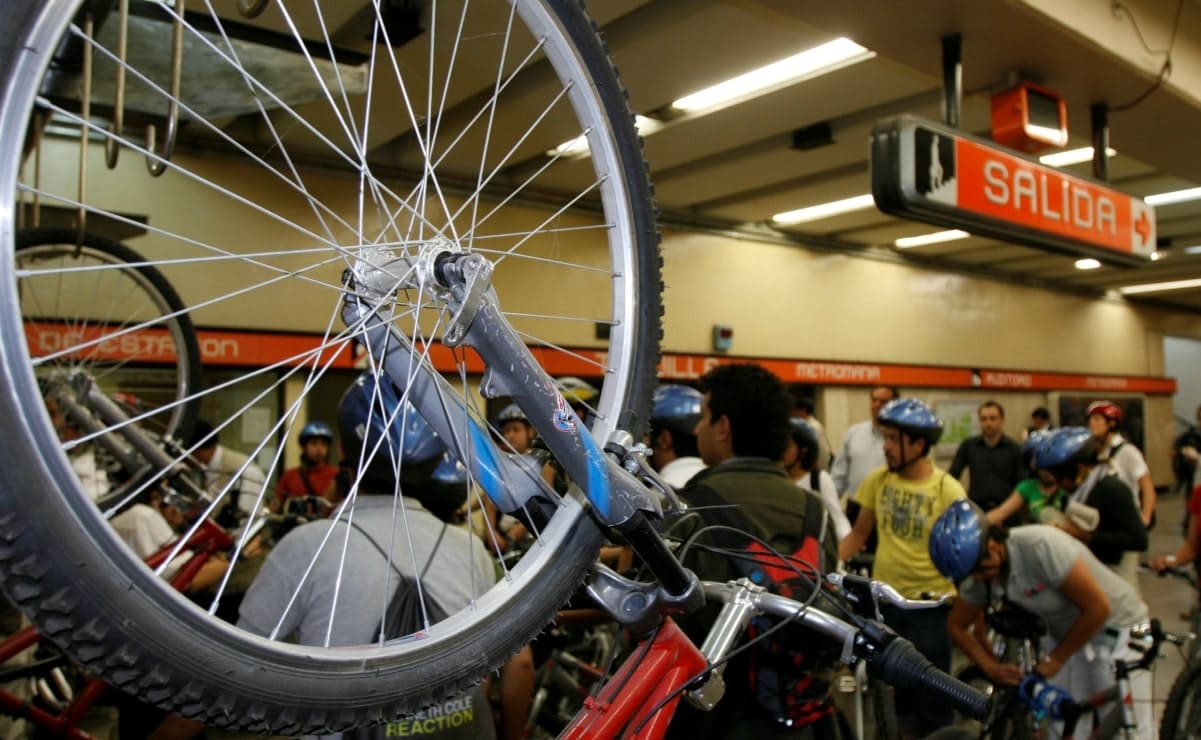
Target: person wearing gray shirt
point(1087, 608)
point(862, 447)
point(316, 618)
point(327, 582)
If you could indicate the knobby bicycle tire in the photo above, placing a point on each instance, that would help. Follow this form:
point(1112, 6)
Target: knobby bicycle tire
point(1182, 711)
point(884, 710)
point(63, 565)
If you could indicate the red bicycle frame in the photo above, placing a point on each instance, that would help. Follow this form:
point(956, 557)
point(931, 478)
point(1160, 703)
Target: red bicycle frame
point(206, 542)
point(629, 702)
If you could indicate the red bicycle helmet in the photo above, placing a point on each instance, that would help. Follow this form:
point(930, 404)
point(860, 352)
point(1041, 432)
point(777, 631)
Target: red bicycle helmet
point(1108, 409)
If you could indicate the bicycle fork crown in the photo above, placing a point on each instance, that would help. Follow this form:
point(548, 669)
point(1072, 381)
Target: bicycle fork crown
point(436, 270)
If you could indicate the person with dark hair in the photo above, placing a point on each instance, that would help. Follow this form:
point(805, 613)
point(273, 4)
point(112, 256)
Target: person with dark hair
point(227, 472)
point(901, 500)
point(1036, 499)
point(1040, 421)
point(1071, 456)
point(742, 432)
point(1088, 610)
point(862, 447)
point(1186, 451)
point(992, 459)
point(391, 459)
point(519, 434)
point(1123, 458)
point(675, 411)
point(862, 452)
point(314, 477)
point(804, 411)
point(800, 461)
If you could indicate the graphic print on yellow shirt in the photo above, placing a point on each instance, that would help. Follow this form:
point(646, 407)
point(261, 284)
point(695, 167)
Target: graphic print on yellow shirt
point(905, 511)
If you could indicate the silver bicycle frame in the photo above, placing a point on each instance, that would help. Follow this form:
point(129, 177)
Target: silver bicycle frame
point(462, 281)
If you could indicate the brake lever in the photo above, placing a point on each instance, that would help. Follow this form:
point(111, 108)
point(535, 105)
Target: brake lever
point(634, 460)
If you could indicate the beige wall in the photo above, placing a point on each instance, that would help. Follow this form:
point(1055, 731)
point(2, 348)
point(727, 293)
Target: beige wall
point(784, 301)
point(244, 221)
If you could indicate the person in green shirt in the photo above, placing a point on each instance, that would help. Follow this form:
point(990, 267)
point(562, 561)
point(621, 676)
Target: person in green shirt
point(1033, 495)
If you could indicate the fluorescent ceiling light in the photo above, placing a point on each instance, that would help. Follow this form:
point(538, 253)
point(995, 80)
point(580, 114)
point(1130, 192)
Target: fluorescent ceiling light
point(825, 210)
point(1072, 156)
point(935, 238)
point(1088, 263)
point(811, 63)
point(1176, 196)
point(1196, 249)
point(578, 147)
point(1159, 287)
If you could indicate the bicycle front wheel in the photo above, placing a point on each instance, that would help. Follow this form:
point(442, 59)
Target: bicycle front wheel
point(1182, 711)
point(309, 138)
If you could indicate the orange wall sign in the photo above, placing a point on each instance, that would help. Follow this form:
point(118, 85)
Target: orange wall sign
point(155, 346)
point(934, 173)
point(692, 367)
point(239, 348)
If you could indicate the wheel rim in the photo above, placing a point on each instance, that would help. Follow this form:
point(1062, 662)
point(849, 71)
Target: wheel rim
point(297, 228)
point(56, 275)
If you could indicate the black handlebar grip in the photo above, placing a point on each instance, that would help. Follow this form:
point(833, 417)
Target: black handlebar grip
point(901, 665)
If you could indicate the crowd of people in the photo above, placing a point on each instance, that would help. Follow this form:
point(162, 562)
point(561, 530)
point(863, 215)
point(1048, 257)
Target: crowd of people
point(1054, 522)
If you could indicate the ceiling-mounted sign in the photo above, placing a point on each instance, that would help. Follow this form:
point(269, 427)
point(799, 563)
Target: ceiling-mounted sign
point(934, 173)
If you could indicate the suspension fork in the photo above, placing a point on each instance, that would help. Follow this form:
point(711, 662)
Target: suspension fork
point(145, 458)
point(463, 282)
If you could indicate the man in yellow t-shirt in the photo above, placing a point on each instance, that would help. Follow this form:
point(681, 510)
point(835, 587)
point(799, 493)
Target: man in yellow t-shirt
point(903, 499)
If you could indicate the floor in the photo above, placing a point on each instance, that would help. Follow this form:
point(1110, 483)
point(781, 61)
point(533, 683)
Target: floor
point(1169, 599)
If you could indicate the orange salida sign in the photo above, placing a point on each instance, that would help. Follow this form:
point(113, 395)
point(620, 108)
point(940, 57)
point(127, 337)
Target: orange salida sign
point(933, 173)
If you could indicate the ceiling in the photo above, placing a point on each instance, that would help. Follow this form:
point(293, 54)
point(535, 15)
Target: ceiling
point(737, 167)
point(734, 168)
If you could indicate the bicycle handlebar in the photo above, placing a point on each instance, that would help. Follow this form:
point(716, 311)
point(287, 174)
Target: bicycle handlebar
point(884, 593)
point(1177, 571)
point(892, 658)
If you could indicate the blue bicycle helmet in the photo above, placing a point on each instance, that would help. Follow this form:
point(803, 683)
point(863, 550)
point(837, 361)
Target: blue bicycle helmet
point(316, 430)
point(676, 407)
point(1034, 440)
point(1031, 444)
point(371, 410)
point(958, 539)
point(450, 472)
point(913, 418)
point(1061, 447)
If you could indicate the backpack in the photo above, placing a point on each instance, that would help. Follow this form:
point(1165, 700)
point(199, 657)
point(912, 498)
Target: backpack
point(468, 715)
point(788, 670)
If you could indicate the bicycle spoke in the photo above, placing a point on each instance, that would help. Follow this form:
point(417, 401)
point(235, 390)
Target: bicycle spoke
point(330, 167)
